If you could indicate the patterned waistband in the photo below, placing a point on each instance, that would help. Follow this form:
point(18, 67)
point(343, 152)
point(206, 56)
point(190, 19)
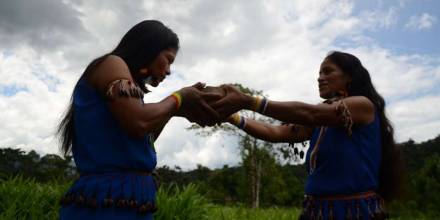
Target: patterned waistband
point(316, 207)
point(354, 196)
point(119, 189)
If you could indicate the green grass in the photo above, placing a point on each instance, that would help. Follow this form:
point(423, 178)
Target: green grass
point(26, 199)
point(22, 198)
point(182, 204)
point(245, 213)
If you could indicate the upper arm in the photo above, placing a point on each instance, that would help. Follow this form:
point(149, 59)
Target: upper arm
point(127, 110)
point(358, 109)
point(112, 68)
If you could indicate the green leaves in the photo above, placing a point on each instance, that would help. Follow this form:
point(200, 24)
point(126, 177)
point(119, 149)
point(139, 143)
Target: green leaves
point(22, 198)
point(243, 213)
point(176, 203)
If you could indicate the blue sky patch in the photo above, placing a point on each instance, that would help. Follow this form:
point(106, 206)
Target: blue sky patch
point(49, 80)
point(11, 90)
point(399, 36)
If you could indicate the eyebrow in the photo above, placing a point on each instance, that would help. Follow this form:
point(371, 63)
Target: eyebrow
point(327, 68)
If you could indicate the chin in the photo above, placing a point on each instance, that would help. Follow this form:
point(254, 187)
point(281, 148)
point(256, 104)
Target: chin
point(325, 95)
point(154, 84)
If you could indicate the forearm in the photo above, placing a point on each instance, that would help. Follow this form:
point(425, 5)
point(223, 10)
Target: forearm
point(156, 115)
point(158, 130)
point(261, 130)
point(257, 129)
point(138, 119)
point(295, 112)
point(287, 133)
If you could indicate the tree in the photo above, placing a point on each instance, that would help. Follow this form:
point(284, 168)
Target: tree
point(256, 155)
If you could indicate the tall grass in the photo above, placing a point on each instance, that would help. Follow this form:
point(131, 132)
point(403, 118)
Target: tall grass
point(182, 203)
point(244, 213)
point(22, 198)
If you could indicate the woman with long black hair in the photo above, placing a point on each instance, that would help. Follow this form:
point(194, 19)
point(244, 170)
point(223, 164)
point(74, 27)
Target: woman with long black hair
point(353, 161)
point(111, 131)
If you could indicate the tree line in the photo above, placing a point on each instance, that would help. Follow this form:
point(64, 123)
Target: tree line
point(280, 185)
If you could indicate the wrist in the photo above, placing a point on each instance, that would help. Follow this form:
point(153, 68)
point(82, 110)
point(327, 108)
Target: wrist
point(248, 102)
point(178, 100)
point(237, 120)
point(258, 104)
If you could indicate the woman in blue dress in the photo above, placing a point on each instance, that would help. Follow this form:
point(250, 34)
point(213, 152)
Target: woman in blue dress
point(111, 131)
point(353, 161)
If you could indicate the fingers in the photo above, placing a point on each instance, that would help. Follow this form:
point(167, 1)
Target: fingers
point(202, 114)
point(199, 85)
point(224, 112)
point(211, 96)
point(196, 116)
point(228, 87)
point(210, 111)
point(218, 104)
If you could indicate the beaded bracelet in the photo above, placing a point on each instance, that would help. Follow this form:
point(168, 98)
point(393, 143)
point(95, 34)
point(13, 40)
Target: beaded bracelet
point(178, 97)
point(260, 105)
point(238, 121)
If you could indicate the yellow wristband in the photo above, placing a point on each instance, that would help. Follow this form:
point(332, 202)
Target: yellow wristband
point(178, 97)
point(235, 119)
point(260, 104)
point(257, 103)
point(238, 120)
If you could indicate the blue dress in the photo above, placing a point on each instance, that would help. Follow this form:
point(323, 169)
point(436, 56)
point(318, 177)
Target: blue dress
point(346, 175)
point(116, 180)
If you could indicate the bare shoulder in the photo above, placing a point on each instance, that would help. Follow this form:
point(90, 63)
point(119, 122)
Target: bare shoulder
point(361, 108)
point(112, 66)
point(359, 102)
point(110, 69)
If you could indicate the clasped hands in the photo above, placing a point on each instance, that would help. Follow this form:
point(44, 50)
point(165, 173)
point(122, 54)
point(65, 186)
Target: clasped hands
point(208, 106)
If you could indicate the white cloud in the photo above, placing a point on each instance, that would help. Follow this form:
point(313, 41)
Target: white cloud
point(271, 46)
point(379, 18)
point(424, 21)
point(418, 118)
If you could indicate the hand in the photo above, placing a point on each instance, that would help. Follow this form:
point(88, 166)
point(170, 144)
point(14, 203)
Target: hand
point(194, 105)
point(234, 101)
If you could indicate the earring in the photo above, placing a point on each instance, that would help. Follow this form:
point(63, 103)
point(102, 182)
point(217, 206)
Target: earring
point(143, 70)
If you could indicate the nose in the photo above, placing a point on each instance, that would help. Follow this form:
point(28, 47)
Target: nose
point(320, 78)
point(168, 71)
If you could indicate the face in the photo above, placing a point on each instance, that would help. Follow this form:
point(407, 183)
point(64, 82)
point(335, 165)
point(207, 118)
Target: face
point(159, 69)
point(331, 80)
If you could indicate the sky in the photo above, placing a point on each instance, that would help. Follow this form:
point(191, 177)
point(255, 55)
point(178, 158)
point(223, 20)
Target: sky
point(273, 46)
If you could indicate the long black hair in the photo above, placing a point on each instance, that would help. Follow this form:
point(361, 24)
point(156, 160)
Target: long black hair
point(138, 48)
point(390, 175)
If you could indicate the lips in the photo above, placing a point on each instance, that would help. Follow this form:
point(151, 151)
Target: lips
point(157, 80)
